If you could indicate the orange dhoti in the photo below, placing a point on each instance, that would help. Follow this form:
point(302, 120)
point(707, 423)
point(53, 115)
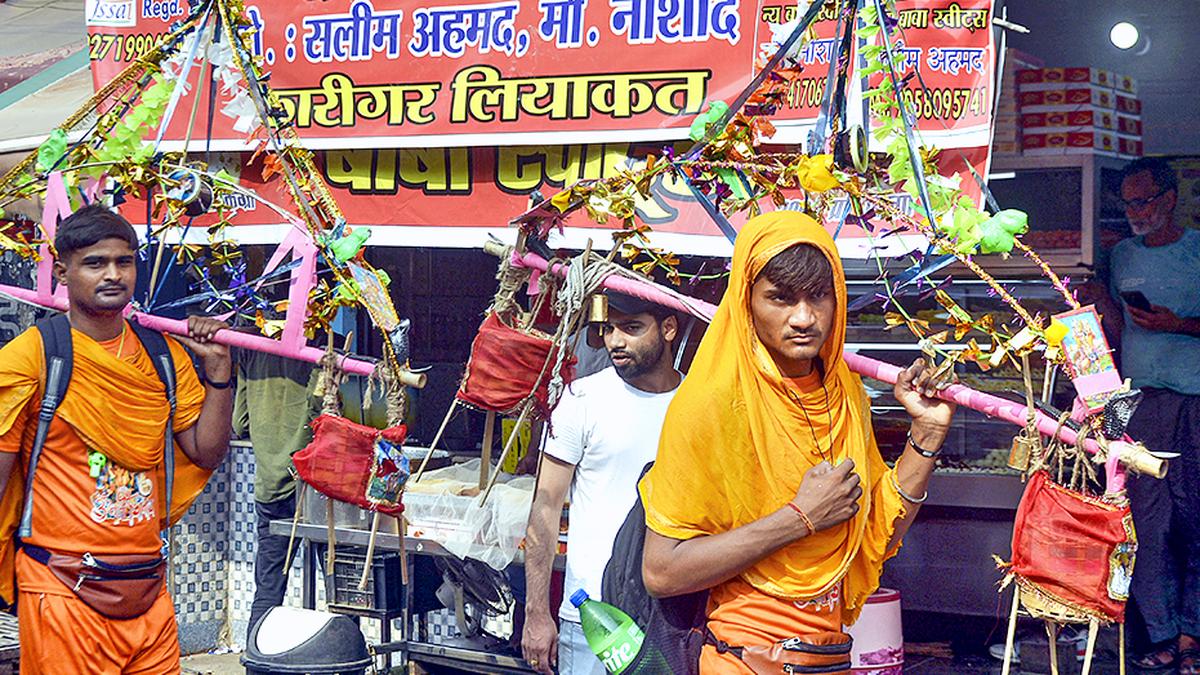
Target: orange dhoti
point(741, 616)
point(60, 635)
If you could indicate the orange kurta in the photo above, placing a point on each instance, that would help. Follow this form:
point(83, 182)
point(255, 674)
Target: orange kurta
point(738, 439)
point(115, 406)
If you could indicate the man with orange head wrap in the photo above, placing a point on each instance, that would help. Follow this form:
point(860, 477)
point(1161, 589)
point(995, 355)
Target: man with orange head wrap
point(769, 489)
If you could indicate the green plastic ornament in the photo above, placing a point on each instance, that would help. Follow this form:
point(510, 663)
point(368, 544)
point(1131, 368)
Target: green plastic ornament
point(51, 150)
point(716, 110)
point(347, 247)
point(998, 233)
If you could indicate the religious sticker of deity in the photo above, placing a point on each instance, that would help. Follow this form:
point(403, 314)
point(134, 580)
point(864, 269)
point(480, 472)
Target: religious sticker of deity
point(1095, 375)
point(1120, 563)
point(389, 472)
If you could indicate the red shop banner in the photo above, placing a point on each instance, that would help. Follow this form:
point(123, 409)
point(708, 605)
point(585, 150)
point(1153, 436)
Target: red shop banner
point(439, 122)
point(415, 73)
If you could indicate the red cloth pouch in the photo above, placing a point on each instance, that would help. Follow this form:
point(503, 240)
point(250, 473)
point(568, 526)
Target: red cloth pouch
point(355, 464)
point(1073, 550)
point(509, 366)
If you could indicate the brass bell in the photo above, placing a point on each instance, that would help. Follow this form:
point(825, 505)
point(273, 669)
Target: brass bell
point(1022, 451)
point(598, 310)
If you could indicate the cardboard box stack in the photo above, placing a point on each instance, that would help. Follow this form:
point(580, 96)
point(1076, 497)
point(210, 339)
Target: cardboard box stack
point(1067, 111)
point(1007, 138)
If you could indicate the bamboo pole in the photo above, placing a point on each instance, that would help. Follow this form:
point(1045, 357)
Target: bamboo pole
point(485, 455)
point(332, 536)
point(287, 559)
point(1012, 631)
point(1093, 629)
point(504, 454)
point(1052, 643)
point(366, 574)
point(433, 446)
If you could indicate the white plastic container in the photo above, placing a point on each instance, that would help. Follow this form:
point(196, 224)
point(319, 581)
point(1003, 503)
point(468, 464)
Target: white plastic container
point(878, 636)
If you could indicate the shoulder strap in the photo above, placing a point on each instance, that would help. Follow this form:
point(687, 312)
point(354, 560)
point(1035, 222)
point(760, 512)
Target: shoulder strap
point(160, 354)
point(621, 584)
point(59, 360)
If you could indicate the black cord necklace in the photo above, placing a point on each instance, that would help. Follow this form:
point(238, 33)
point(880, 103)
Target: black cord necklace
point(807, 420)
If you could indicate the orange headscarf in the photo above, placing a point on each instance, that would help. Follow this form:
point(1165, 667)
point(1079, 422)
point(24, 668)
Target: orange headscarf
point(735, 444)
point(114, 406)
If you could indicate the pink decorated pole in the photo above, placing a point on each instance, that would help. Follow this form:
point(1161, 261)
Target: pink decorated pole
point(303, 279)
point(992, 406)
point(645, 290)
point(56, 204)
point(231, 338)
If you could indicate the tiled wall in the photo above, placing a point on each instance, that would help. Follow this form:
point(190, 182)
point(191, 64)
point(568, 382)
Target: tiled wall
point(201, 552)
point(214, 560)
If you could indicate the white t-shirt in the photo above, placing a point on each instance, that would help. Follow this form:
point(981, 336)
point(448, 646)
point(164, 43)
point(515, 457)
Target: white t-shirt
point(609, 430)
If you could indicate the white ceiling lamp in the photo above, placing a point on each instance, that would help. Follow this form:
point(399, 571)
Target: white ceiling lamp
point(1123, 35)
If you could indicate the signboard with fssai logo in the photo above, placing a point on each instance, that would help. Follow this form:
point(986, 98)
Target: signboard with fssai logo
point(115, 13)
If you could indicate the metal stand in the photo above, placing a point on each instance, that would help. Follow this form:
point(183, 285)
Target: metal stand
point(411, 645)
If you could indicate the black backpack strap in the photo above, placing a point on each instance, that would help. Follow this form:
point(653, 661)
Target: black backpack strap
point(164, 364)
point(59, 360)
point(621, 584)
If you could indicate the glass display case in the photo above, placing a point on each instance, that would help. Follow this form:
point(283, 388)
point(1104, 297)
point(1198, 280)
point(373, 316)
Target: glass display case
point(946, 562)
point(1073, 203)
point(976, 442)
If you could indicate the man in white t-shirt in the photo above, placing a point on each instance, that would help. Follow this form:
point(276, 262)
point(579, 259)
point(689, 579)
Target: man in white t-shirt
point(603, 432)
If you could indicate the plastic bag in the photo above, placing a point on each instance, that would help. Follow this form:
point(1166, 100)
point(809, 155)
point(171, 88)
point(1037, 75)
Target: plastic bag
point(444, 506)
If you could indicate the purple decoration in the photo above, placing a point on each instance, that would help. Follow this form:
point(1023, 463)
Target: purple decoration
point(889, 22)
point(863, 221)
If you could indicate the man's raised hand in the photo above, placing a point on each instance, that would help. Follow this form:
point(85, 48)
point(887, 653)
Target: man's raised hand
point(829, 495)
point(215, 356)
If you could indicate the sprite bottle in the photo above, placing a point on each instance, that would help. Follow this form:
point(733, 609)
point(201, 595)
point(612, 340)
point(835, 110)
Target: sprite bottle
point(614, 638)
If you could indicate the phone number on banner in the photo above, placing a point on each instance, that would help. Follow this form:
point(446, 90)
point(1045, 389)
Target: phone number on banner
point(123, 48)
point(947, 103)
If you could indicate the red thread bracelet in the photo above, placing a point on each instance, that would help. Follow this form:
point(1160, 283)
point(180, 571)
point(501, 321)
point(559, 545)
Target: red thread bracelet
point(803, 518)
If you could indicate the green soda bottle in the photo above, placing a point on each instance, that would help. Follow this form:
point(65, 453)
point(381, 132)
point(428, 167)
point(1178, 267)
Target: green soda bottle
point(614, 638)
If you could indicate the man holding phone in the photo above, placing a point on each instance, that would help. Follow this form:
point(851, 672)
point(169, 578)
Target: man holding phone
point(1156, 274)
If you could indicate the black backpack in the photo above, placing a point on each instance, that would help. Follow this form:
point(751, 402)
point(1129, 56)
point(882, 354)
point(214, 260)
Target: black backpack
point(674, 627)
point(59, 355)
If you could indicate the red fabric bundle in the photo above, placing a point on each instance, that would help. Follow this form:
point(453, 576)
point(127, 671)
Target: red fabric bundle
point(341, 458)
point(504, 367)
point(1077, 550)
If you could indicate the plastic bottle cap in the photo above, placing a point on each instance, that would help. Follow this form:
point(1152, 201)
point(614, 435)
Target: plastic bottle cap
point(579, 597)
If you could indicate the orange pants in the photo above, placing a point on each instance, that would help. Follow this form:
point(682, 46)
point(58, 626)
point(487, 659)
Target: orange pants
point(60, 635)
point(741, 615)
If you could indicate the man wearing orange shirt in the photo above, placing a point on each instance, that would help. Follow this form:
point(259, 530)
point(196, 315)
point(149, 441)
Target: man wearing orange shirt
point(100, 484)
